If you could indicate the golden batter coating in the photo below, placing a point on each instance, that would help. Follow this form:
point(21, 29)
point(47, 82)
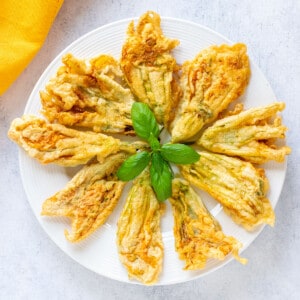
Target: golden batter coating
point(89, 198)
point(237, 185)
point(198, 235)
point(55, 143)
point(216, 77)
point(148, 66)
point(249, 135)
point(91, 94)
point(139, 237)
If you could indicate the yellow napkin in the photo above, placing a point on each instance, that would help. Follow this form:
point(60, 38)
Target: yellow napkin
point(24, 25)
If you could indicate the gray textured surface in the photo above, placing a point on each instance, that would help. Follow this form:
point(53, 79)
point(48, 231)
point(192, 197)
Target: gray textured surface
point(32, 267)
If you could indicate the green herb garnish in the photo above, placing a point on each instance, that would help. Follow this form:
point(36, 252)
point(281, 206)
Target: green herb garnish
point(133, 166)
point(179, 153)
point(147, 128)
point(161, 177)
point(143, 120)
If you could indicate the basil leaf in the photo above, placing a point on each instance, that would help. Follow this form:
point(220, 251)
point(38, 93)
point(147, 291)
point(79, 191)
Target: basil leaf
point(133, 166)
point(143, 121)
point(179, 153)
point(157, 163)
point(161, 177)
point(154, 143)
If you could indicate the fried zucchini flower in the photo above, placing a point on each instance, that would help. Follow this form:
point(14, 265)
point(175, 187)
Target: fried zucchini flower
point(139, 238)
point(55, 143)
point(198, 235)
point(91, 94)
point(216, 77)
point(237, 185)
point(249, 135)
point(148, 66)
point(88, 199)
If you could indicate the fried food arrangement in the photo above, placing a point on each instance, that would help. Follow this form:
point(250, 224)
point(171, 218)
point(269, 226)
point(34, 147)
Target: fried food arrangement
point(149, 67)
point(90, 100)
point(237, 185)
point(198, 235)
point(249, 135)
point(91, 94)
point(139, 237)
point(55, 143)
point(216, 77)
point(89, 198)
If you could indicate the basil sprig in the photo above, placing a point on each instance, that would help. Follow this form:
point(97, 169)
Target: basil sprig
point(161, 177)
point(133, 166)
point(179, 153)
point(146, 127)
point(143, 121)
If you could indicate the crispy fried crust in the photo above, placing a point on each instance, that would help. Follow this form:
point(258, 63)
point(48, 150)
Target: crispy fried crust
point(198, 235)
point(91, 94)
point(55, 143)
point(139, 237)
point(88, 199)
point(249, 134)
point(148, 66)
point(237, 185)
point(217, 76)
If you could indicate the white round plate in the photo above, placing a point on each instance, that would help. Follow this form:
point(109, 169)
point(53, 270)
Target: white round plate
point(99, 251)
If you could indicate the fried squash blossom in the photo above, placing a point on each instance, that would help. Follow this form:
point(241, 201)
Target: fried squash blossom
point(139, 237)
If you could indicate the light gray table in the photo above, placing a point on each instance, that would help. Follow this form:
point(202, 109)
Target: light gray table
point(31, 265)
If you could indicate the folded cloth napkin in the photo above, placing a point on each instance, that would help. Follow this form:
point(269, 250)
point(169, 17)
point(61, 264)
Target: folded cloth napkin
point(24, 26)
